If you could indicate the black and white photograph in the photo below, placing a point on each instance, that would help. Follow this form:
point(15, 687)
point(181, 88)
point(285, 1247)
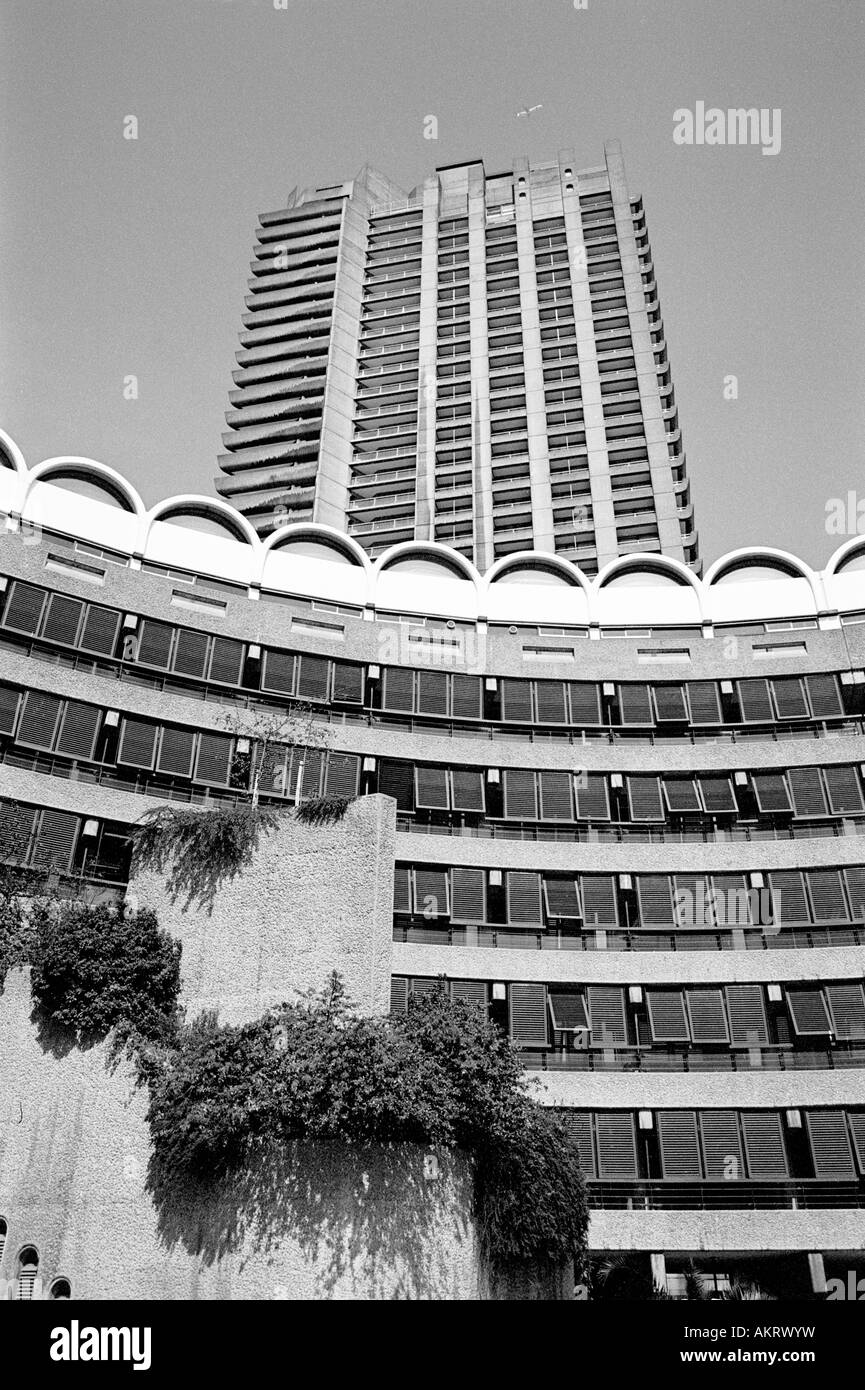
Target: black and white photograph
point(432, 671)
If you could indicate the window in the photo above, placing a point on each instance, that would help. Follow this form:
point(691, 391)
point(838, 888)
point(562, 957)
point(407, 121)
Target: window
point(527, 1008)
point(60, 1289)
point(27, 1274)
point(442, 789)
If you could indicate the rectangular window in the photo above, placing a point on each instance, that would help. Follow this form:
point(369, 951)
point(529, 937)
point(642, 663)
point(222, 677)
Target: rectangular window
point(770, 790)
point(635, 705)
point(556, 798)
point(592, 796)
point(607, 1015)
point(600, 904)
point(644, 799)
point(528, 1014)
point(617, 1145)
point(808, 1012)
point(468, 895)
point(654, 894)
point(754, 701)
point(567, 1011)
point(562, 897)
point(722, 1145)
point(40, 716)
point(679, 1144)
point(524, 900)
point(667, 1018)
point(830, 1144)
point(520, 794)
point(704, 702)
point(681, 794)
point(707, 1015)
point(764, 1144)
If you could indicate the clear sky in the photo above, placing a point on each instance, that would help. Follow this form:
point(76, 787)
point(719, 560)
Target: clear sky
point(128, 257)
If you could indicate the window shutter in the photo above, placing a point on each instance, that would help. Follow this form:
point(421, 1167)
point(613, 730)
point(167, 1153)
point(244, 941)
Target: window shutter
point(342, 772)
point(617, 1146)
point(422, 987)
point(679, 1144)
point(397, 780)
point(770, 789)
point(806, 789)
point(857, 1130)
point(644, 798)
point(719, 1130)
point(38, 723)
point(398, 689)
point(175, 751)
point(277, 672)
point(431, 893)
point(468, 895)
point(432, 692)
point(100, 630)
point(313, 762)
point(520, 800)
point(551, 706)
point(55, 840)
point(681, 794)
point(398, 994)
point(348, 683)
point(312, 677)
point(592, 796)
point(718, 795)
point(556, 798)
point(154, 644)
point(789, 905)
point(694, 901)
point(704, 702)
point(24, 608)
point(567, 1011)
point(524, 900)
point(517, 700)
point(808, 1012)
point(528, 1014)
point(754, 701)
point(790, 700)
point(706, 1012)
point(667, 1018)
point(578, 1123)
point(213, 763)
point(830, 1144)
point(732, 899)
point(9, 702)
point(561, 897)
point(607, 1015)
point(585, 702)
point(78, 733)
point(431, 788)
point(600, 906)
point(470, 992)
point(191, 651)
point(827, 895)
point(764, 1144)
point(62, 619)
point(137, 743)
point(670, 704)
point(467, 789)
point(402, 889)
point(855, 879)
point(747, 1010)
point(465, 697)
point(635, 706)
point(655, 900)
point(844, 789)
point(847, 1007)
point(226, 661)
point(825, 696)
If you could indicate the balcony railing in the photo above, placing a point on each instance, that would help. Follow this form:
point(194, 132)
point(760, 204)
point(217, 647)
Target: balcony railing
point(630, 1059)
point(639, 939)
point(663, 1194)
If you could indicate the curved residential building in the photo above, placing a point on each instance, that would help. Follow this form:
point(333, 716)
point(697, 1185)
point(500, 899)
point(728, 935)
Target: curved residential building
point(630, 818)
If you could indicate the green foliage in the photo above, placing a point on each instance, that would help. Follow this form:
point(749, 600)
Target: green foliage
point(441, 1075)
point(199, 850)
point(98, 968)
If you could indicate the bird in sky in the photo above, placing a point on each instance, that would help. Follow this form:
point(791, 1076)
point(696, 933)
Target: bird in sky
point(527, 110)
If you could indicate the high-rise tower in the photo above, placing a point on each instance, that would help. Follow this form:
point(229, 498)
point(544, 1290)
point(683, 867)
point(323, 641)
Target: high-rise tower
point(480, 362)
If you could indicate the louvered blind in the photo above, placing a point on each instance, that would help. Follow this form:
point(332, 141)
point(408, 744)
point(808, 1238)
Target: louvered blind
point(747, 1011)
point(467, 789)
point(644, 798)
point(824, 696)
point(789, 904)
point(77, 738)
point(770, 789)
point(806, 790)
point(347, 683)
point(342, 773)
point(585, 702)
point(635, 705)
point(733, 900)
point(528, 1014)
point(561, 897)
point(24, 608)
point(551, 704)
point(600, 906)
point(592, 796)
point(524, 900)
point(154, 643)
point(191, 652)
point(516, 700)
point(670, 703)
point(578, 1124)
point(607, 1015)
point(312, 677)
point(830, 1144)
point(277, 672)
point(754, 701)
point(213, 763)
point(465, 697)
point(402, 889)
point(617, 1146)
point(808, 1011)
point(828, 903)
point(312, 760)
point(693, 901)
point(764, 1144)
point(432, 692)
point(226, 661)
point(520, 799)
point(790, 699)
point(62, 620)
point(55, 840)
point(468, 895)
point(567, 1011)
point(681, 794)
point(855, 880)
point(707, 1015)
point(398, 994)
point(655, 898)
point(398, 689)
point(667, 1018)
point(856, 1120)
point(556, 798)
point(470, 992)
point(705, 702)
point(137, 743)
point(431, 788)
point(722, 1144)
point(847, 1008)
point(176, 748)
point(718, 795)
point(397, 780)
point(9, 701)
point(99, 634)
point(39, 717)
point(431, 893)
point(679, 1144)
point(843, 788)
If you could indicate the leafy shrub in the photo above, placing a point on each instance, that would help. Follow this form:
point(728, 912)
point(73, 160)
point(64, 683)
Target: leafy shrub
point(323, 810)
point(98, 968)
point(199, 849)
